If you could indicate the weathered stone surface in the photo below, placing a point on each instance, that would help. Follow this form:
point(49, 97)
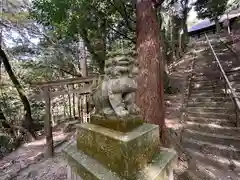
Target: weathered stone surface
point(126, 124)
point(124, 153)
point(161, 166)
point(115, 94)
point(86, 167)
point(82, 166)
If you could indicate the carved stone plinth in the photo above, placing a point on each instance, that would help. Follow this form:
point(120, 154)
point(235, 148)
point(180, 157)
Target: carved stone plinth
point(103, 153)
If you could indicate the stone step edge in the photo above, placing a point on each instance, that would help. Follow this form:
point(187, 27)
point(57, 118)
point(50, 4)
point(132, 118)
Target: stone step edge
point(204, 173)
point(193, 118)
point(212, 113)
point(203, 143)
point(204, 120)
point(208, 108)
point(213, 135)
point(215, 97)
point(187, 123)
point(219, 161)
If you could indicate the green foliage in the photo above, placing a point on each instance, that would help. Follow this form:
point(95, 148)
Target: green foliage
point(232, 5)
point(6, 144)
point(11, 104)
point(20, 17)
point(211, 9)
point(99, 23)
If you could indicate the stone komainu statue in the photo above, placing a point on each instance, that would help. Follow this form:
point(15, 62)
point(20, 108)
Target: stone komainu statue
point(115, 94)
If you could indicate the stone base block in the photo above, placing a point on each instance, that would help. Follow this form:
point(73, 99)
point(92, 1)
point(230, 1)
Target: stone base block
point(115, 123)
point(124, 153)
point(84, 167)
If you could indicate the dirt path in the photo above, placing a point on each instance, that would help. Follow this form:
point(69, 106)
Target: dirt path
point(28, 156)
point(46, 169)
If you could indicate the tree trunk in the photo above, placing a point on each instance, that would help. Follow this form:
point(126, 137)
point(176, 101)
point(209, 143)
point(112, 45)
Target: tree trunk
point(83, 66)
point(69, 103)
point(96, 56)
point(73, 102)
point(218, 28)
point(2, 117)
point(47, 124)
point(164, 46)
point(28, 121)
point(185, 37)
point(150, 90)
point(83, 63)
point(1, 41)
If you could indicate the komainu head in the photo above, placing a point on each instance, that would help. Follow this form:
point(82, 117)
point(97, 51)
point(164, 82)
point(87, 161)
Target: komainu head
point(120, 64)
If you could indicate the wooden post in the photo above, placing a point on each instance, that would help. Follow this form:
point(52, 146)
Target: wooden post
point(65, 107)
point(79, 107)
point(69, 104)
point(73, 102)
point(47, 123)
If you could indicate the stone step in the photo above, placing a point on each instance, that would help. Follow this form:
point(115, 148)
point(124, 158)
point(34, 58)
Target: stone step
point(226, 64)
point(207, 94)
point(217, 161)
point(216, 76)
point(233, 70)
point(210, 104)
point(208, 89)
point(215, 82)
point(212, 109)
point(213, 138)
point(192, 174)
point(236, 87)
point(208, 82)
point(216, 167)
point(203, 172)
point(229, 66)
point(222, 122)
point(234, 77)
point(206, 77)
point(222, 115)
point(210, 148)
point(209, 99)
point(213, 128)
point(219, 90)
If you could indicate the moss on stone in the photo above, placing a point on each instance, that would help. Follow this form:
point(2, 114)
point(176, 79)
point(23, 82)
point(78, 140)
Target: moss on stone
point(124, 153)
point(160, 167)
point(123, 125)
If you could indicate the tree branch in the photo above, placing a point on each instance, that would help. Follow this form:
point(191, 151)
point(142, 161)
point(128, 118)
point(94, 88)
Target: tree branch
point(123, 35)
point(124, 14)
point(65, 71)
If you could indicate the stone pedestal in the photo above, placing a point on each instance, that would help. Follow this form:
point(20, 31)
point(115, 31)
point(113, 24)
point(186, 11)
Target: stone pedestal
point(106, 153)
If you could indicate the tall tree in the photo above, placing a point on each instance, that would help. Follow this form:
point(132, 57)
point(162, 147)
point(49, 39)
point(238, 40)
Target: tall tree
point(185, 11)
point(28, 120)
point(150, 91)
point(211, 9)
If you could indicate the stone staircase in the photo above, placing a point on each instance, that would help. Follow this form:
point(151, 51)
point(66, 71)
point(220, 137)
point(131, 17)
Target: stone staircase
point(210, 135)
